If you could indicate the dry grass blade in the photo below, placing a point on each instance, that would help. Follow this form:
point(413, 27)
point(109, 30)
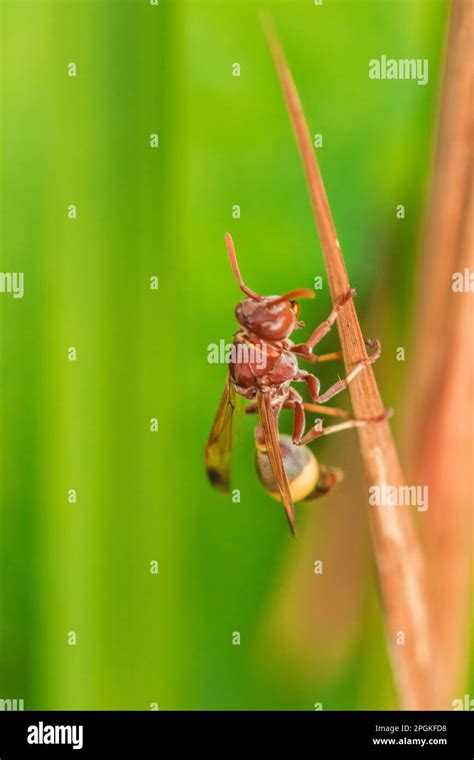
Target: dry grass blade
point(398, 555)
point(438, 420)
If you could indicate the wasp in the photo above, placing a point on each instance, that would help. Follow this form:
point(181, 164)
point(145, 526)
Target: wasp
point(263, 374)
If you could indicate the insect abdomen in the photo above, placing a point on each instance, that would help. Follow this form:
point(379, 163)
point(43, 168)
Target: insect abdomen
point(301, 467)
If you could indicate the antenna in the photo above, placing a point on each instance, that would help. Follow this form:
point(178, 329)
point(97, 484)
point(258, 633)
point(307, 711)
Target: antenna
point(235, 268)
point(301, 293)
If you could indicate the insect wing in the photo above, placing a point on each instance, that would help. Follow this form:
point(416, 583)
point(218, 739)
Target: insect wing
point(272, 444)
point(219, 444)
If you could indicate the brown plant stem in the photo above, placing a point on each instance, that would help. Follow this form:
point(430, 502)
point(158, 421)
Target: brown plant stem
point(398, 556)
point(438, 424)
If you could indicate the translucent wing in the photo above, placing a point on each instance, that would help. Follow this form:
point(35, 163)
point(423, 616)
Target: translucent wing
point(270, 433)
point(219, 445)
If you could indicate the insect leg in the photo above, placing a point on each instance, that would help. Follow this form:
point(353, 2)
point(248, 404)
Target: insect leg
point(314, 384)
point(311, 381)
point(329, 411)
point(334, 411)
point(324, 327)
point(315, 358)
point(296, 403)
point(314, 433)
point(342, 384)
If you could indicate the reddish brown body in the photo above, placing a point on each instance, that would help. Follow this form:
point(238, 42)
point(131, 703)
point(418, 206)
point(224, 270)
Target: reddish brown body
point(268, 364)
point(262, 368)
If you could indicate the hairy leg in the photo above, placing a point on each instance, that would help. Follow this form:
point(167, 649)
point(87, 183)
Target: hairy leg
point(314, 433)
point(305, 349)
point(314, 385)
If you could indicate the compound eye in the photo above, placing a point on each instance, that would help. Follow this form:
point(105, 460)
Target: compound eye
point(296, 307)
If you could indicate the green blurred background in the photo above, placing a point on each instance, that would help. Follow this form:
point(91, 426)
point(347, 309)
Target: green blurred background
point(142, 354)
